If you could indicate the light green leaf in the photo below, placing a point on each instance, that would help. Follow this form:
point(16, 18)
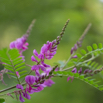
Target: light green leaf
point(95, 46)
point(89, 48)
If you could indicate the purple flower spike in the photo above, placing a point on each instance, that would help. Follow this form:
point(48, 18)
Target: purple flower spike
point(30, 79)
point(19, 86)
point(48, 50)
point(74, 70)
point(21, 98)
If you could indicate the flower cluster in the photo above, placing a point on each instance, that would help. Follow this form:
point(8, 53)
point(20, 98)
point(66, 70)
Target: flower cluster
point(20, 44)
point(47, 52)
point(40, 80)
point(34, 84)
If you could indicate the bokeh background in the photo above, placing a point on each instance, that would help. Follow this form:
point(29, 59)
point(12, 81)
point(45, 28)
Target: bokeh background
point(51, 15)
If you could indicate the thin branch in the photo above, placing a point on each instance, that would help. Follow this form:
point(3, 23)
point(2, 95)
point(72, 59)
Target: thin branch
point(30, 27)
point(80, 40)
point(85, 32)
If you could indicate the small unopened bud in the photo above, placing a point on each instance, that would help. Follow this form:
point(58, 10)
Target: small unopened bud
point(75, 47)
point(72, 50)
point(80, 71)
point(74, 70)
point(86, 71)
point(75, 56)
point(10, 95)
point(90, 71)
point(17, 73)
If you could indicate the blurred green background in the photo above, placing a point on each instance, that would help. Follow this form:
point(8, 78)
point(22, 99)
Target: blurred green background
point(51, 15)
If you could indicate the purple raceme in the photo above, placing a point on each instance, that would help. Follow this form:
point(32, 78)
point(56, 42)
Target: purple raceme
point(20, 44)
point(48, 50)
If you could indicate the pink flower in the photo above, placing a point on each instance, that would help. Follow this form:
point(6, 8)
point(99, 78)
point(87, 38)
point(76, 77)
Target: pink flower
point(30, 79)
point(19, 86)
point(70, 78)
point(21, 98)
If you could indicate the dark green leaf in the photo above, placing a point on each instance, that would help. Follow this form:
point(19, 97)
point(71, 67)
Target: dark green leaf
point(2, 100)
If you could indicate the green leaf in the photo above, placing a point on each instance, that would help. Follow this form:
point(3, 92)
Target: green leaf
point(100, 45)
point(65, 73)
point(79, 55)
point(9, 69)
point(89, 62)
point(71, 74)
point(5, 65)
point(18, 62)
point(11, 73)
point(54, 72)
point(23, 76)
point(6, 61)
point(14, 56)
point(91, 81)
point(13, 76)
point(95, 46)
point(21, 64)
point(12, 61)
point(95, 65)
point(92, 64)
point(17, 59)
point(22, 72)
point(20, 68)
point(81, 76)
point(83, 51)
point(2, 100)
point(76, 74)
point(89, 48)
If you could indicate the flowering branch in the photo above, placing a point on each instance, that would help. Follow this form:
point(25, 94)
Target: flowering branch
point(13, 61)
point(79, 42)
